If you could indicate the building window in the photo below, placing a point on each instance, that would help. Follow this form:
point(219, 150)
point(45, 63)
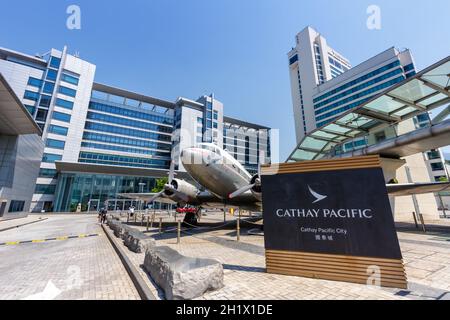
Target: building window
point(216, 115)
point(45, 101)
point(437, 166)
point(67, 91)
point(48, 173)
point(30, 109)
point(56, 144)
point(61, 116)
point(64, 104)
point(30, 95)
point(51, 75)
point(433, 154)
point(55, 62)
point(98, 158)
point(125, 141)
point(49, 87)
point(164, 119)
point(293, 59)
point(408, 67)
point(16, 206)
point(35, 82)
point(45, 189)
point(51, 158)
point(62, 131)
point(69, 79)
point(41, 115)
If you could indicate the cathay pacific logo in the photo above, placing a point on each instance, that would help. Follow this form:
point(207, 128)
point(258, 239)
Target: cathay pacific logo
point(319, 197)
point(336, 213)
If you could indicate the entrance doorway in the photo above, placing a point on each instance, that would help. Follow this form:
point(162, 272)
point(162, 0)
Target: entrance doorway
point(94, 205)
point(48, 206)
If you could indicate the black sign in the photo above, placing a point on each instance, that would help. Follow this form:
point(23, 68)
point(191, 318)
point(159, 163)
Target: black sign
point(343, 212)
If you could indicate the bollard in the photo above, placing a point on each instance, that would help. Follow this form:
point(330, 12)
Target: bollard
point(238, 227)
point(128, 218)
point(135, 217)
point(160, 225)
point(415, 220)
point(142, 219)
point(422, 222)
point(179, 232)
point(148, 221)
point(153, 220)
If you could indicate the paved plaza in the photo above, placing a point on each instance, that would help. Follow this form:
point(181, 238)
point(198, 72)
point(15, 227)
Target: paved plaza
point(89, 268)
point(79, 268)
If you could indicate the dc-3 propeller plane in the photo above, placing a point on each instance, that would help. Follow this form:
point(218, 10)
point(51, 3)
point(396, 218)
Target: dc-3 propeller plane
point(226, 183)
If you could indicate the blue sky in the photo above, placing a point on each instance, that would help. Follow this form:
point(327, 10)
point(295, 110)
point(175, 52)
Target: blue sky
point(233, 48)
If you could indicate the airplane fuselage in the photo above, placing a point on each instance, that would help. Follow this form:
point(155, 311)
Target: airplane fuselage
point(215, 169)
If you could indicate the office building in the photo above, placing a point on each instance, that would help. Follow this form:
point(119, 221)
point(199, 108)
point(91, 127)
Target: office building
point(21, 149)
point(319, 98)
point(324, 86)
point(101, 140)
point(312, 62)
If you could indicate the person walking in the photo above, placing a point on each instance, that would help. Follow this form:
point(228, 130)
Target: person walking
point(131, 211)
point(100, 215)
point(103, 215)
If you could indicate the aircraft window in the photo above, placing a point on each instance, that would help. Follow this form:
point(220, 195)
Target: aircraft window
point(210, 148)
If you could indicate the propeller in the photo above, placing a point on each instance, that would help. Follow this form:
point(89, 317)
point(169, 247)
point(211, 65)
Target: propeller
point(156, 196)
point(168, 185)
point(171, 172)
point(241, 190)
point(257, 181)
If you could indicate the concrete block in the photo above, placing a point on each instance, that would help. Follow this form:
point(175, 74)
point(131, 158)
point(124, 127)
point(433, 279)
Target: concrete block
point(182, 277)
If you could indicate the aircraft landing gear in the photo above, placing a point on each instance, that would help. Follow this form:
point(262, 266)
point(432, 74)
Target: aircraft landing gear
point(191, 218)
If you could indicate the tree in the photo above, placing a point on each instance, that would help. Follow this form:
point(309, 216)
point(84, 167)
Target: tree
point(443, 179)
point(160, 183)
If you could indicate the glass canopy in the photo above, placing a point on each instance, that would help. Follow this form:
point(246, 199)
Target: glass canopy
point(423, 92)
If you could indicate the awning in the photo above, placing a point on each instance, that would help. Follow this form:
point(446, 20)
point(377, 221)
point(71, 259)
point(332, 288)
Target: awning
point(14, 117)
point(427, 90)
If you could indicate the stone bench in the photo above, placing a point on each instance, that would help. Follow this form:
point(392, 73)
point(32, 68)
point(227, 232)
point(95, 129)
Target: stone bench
point(182, 277)
point(137, 241)
point(118, 228)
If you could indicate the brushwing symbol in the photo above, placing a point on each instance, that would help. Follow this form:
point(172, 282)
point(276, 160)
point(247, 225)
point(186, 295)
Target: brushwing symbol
point(316, 195)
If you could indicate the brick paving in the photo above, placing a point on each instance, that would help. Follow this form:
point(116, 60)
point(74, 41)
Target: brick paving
point(12, 223)
point(85, 268)
point(89, 268)
point(426, 257)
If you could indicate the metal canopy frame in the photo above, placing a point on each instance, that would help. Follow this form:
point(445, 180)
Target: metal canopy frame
point(427, 90)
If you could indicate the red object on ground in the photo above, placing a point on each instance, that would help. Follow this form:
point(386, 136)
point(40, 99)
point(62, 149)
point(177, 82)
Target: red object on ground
point(186, 210)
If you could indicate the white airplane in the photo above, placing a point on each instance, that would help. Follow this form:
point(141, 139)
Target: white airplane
point(226, 183)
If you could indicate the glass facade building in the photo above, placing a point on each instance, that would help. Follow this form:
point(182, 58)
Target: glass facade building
point(102, 127)
point(94, 191)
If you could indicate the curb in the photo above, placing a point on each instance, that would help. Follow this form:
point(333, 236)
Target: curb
point(21, 225)
point(141, 286)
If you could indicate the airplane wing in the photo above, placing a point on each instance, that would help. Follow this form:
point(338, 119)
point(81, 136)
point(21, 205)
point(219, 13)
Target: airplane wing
point(406, 189)
point(144, 197)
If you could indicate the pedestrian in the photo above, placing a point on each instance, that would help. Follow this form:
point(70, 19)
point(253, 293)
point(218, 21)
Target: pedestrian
point(131, 211)
point(100, 215)
point(104, 213)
